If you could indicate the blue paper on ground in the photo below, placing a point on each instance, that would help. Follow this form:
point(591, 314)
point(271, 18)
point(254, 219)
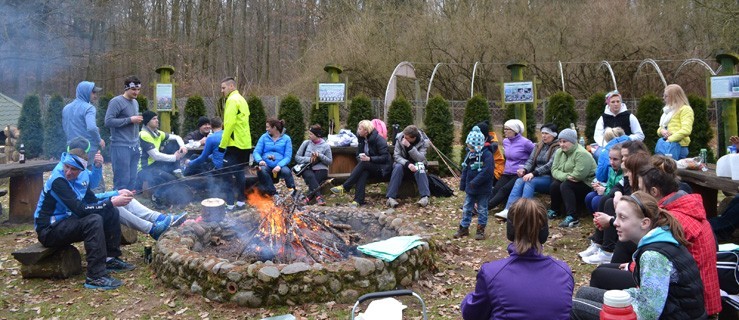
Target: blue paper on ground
point(389, 249)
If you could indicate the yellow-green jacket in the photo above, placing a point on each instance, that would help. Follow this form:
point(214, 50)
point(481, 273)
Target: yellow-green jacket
point(236, 123)
point(680, 125)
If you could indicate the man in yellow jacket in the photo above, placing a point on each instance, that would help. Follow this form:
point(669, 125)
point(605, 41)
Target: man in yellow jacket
point(236, 140)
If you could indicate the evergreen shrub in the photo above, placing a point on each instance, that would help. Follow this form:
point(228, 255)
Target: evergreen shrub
point(400, 113)
point(359, 109)
point(476, 110)
point(100, 120)
point(31, 128)
point(561, 110)
point(320, 116)
point(292, 112)
point(593, 111)
point(57, 139)
point(194, 109)
point(439, 129)
point(143, 103)
point(648, 112)
point(257, 118)
point(702, 132)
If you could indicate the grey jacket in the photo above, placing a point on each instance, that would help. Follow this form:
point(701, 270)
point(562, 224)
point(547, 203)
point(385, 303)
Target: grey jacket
point(540, 161)
point(123, 132)
point(413, 154)
point(324, 154)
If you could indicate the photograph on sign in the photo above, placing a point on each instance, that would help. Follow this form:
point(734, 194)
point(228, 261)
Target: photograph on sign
point(164, 96)
point(331, 92)
point(519, 92)
point(725, 87)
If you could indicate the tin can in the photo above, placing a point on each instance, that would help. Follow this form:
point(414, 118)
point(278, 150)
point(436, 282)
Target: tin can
point(147, 254)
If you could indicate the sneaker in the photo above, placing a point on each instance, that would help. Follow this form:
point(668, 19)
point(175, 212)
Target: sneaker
point(338, 190)
point(305, 201)
point(392, 203)
point(230, 208)
point(118, 265)
point(320, 201)
point(160, 227)
point(178, 219)
point(599, 257)
point(592, 249)
point(569, 222)
point(240, 205)
point(424, 201)
point(353, 204)
point(551, 214)
point(503, 214)
point(104, 283)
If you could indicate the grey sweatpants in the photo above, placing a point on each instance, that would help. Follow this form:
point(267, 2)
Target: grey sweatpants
point(137, 216)
point(587, 304)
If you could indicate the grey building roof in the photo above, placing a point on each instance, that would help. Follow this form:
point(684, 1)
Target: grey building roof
point(10, 111)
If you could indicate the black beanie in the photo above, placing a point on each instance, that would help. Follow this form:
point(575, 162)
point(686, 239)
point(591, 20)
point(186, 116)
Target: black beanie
point(148, 115)
point(202, 121)
point(484, 128)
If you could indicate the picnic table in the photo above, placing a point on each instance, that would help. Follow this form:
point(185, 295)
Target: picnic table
point(26, 183)
point(707, 184)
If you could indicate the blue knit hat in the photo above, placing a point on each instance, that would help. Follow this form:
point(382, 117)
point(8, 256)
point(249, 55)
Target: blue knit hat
point(476, 139)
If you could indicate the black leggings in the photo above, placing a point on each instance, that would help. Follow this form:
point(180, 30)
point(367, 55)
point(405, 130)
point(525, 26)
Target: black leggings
point(502, 190)
point(570, 193)
point(608, 276)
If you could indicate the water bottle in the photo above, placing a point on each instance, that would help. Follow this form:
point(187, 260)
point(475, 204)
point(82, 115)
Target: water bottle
point(421, 167)
point(22, 154)
point(582, 141)
point(617, 306)
point(704, 158)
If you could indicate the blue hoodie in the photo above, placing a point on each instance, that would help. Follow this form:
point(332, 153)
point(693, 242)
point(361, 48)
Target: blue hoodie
point(78, 117)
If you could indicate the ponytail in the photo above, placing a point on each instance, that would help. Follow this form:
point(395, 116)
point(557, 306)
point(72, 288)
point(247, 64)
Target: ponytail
point(665, 218)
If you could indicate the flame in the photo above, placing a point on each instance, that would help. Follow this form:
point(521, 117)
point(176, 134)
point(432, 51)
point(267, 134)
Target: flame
point(272, 215)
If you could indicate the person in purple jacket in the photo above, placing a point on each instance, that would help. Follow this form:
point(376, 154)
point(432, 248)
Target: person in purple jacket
point(517, 150)
point(528, 284)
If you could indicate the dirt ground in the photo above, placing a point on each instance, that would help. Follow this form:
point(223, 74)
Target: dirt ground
point(143, 296)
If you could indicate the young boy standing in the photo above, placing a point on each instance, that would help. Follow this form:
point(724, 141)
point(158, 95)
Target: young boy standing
point(477, 183)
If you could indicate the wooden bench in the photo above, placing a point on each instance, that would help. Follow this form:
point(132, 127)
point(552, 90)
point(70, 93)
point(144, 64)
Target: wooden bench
point(26, 183)
point(707, 184)
point(38, 261)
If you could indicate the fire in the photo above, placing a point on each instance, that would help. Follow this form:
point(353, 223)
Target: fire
point(272, 215)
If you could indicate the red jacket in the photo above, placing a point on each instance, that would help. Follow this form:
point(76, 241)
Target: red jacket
point(688, 210)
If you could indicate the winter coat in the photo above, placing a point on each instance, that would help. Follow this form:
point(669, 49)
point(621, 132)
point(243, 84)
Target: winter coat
point(688, 210)
point(680, 125)
point(517, 151)
point(477, 173)
point(281, 150)
point(540, 161)
point(325, 157)
point(623, 117)
point(236, 123)
point(375, 147)
point(413, 154)
point(601, 172)
point(577, 163)
point(522, 286)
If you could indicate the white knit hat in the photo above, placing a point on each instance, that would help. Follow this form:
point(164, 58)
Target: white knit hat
point(515, 125)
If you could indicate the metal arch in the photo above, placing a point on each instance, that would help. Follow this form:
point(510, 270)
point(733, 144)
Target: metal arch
point(613, 77)
point(695, 60)
point(389, 82)
point(428, 91)
point(472, 86)
point(561, 75)
point(656, 67)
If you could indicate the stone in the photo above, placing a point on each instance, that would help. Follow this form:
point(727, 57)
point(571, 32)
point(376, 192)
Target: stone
point(295, 268)
point(386, 281)
point(396, 223)
point(363, 283)
point(38, 261)
point(196, 288)
point(320, 279)
point(234, 276)
point(268, 273)
point(364, 266)
point(406, 281)
point(214, 295)
point(246, 299)
point(334, 285)
point(403, 257)
point(227, 267)
point(283, 289)
point(348, 296)
point(128, 235)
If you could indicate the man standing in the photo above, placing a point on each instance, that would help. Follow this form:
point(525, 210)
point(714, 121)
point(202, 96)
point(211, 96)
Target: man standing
point(236, 139)
point(123, 119)
point(78, 117)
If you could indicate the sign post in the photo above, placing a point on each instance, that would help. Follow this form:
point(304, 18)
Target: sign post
point(518, 92)
point(165, 98)
point(725, 91)
point(332, 94)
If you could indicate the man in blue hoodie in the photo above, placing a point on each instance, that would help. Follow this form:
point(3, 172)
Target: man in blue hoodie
point(78, 117)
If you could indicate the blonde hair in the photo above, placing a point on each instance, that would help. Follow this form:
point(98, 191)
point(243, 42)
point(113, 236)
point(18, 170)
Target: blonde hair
point(611, 133)
point(676, 97)
point(528, 217)
point(366, 125)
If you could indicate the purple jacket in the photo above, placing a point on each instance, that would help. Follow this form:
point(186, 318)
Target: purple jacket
point(527, 286)
point(517, 151)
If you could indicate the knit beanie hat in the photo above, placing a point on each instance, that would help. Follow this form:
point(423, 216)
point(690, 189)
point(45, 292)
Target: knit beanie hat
point(476, 139)
point(515, 125)
point(568, 135)
point(484, 128)
point(203, 121)
point(148, 115)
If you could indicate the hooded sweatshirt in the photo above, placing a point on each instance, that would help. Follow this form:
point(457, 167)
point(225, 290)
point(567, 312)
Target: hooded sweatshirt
point(633, 130)
point(78, 117)
point(688, 210)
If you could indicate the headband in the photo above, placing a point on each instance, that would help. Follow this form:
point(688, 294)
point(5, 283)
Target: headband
point(317, 132)
point(74, 161)
point(548, 131)
point(131, 85)
point(87, 150)
point(641, 206)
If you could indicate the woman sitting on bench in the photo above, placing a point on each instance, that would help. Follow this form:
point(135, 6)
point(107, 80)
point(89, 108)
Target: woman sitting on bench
point(273, 152)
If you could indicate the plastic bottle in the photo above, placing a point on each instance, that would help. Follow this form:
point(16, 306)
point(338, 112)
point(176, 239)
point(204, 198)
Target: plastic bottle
point(22, 154)
point(582, 141)
point(704, 158)
point(617, 306)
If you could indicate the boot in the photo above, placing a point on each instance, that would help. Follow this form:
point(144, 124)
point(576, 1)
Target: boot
point(462, 232)
point(480, 232)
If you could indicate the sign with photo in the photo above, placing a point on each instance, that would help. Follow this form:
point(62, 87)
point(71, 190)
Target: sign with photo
point(725, 87)
point(331, 92)
point(519, 92)
point(164, 97)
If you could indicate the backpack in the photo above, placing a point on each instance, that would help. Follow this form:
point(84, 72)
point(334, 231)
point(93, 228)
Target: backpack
point(438, 187)
point(727, 263)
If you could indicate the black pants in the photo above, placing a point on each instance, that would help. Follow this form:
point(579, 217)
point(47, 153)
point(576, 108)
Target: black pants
point(101, 233)
point(608, 276)
point(234, 162)
point(502, 190)
point(570, 193)
point(314, 178)
point(359, 177)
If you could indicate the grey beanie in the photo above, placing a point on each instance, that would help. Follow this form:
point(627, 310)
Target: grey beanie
point(568, 135)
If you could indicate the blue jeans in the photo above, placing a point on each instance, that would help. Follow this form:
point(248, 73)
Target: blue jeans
point(265, 179)
point(482, 209)
point(523, 189)
point(592, 200)
point(399, 171)
point(683, 152)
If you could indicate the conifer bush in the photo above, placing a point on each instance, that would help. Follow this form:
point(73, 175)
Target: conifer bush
point(57, 142)
point(593, 111)
point(439, 129)
point(476, 110)
point(320, 116)
point(702, 132)
point(510, 113)
point(400, 113)
point(292, 112)
point(257, 118)
point(143, 103)
point(359, 109)
point(194, 109)
point(174, 122)
point(561, 110)
point(30, 126)
point(648, 112)
point(100, 120)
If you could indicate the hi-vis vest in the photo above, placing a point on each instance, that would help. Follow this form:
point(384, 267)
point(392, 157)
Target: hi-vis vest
point(146, 137)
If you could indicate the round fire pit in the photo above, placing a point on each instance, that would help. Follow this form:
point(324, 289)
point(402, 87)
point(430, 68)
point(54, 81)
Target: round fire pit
point(235, 260)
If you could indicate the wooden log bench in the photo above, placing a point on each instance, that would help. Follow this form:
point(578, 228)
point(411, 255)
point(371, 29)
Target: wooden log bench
point(38, 261)
point(707, 184)
point(26, 183)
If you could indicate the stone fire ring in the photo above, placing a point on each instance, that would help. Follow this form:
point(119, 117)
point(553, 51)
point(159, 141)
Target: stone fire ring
point(262, 284)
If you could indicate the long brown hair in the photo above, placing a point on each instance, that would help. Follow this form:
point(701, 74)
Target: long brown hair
point(647, 207)
point(528, 217)
point(634, 163)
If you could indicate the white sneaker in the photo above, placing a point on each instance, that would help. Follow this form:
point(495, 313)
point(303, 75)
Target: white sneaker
point(503, 214)
point(591, 250)
point(599, 257)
